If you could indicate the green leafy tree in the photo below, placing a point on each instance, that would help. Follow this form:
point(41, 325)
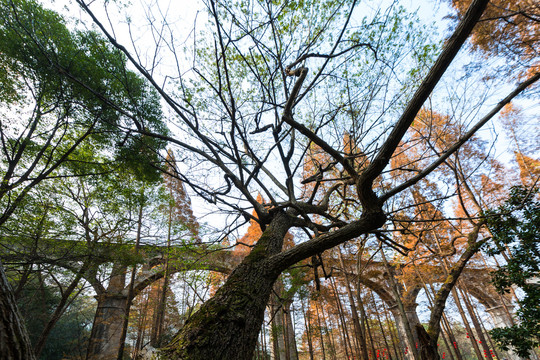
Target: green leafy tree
point(60, 90)
point(516, 226)
point(71, 332)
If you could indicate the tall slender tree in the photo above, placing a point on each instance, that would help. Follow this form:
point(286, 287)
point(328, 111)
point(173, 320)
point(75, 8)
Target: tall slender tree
point(46, 117)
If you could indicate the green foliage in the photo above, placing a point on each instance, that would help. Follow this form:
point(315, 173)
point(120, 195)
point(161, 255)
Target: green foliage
point(516, 225)
point(76, 83)
point(37, 302)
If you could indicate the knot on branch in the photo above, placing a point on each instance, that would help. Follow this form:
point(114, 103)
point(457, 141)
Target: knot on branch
point(296, 72)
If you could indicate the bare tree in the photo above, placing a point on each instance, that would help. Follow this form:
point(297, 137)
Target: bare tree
point(226, 136)
point(250, 109)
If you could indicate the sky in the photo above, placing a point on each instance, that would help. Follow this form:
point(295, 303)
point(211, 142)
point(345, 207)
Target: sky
point(130, 24)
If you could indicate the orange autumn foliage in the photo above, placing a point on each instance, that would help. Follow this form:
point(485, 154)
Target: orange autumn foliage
point(510, 28)
point(529, 170)
point(180, 207)
point(253, 233)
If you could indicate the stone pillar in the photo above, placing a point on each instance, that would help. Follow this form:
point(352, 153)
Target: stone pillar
point(412, 318)
point(105, 338)
point(502, 318)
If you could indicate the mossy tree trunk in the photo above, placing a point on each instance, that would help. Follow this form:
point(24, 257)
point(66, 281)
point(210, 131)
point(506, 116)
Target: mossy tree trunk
point(227, 325)
point(427, 345)
point(427, 339)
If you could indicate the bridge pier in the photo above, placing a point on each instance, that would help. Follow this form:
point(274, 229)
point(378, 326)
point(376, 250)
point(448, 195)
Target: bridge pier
point(502, 317)
point(105, 339)
point(412, 319)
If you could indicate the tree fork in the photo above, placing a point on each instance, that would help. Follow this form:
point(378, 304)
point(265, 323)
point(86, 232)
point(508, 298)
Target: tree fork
point(227, 326)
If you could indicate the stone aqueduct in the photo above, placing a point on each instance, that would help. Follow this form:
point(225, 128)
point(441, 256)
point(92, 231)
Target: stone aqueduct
point(105, 338)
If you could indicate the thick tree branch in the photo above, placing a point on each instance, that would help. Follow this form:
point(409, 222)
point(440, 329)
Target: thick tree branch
point(368, 222)
point(520, 88)
point(448, 54)
point(440, 299)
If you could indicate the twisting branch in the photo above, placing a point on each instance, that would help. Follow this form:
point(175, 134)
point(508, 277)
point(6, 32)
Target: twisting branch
point(287, 118)
point(451, 150)
point(331, 56)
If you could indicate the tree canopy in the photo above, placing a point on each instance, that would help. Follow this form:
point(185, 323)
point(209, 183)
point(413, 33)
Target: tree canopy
point(355, 122)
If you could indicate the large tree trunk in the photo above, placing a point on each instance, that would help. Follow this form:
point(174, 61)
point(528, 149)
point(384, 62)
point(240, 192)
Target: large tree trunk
point(427, 345)
point(14, 340)
point(227, 325)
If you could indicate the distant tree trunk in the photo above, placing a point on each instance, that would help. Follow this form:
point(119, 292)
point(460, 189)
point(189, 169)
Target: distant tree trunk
point(141, 327)
point(460, 309)
point(332, 348)
point(23, 279)
point(277, 328)
point(321, 337)
point(402, 316)
point(307, 325)
point(395, 340)
point(60, 308)
point(283, 338)
point(363, 322)
point(476, 324)
point(159, 312)
point(291, 339)
point(360, 342)
point(342, 323)
point(466, 323)
point(378, 315)
point(130, 295)
point(367, 326)
point(452, 338)
point(14, 340)
point(227, 326)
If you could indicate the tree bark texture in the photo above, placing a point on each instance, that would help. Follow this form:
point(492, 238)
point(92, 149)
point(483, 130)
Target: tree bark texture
point(427, 345)
point(227, 325)
point(14, 340)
